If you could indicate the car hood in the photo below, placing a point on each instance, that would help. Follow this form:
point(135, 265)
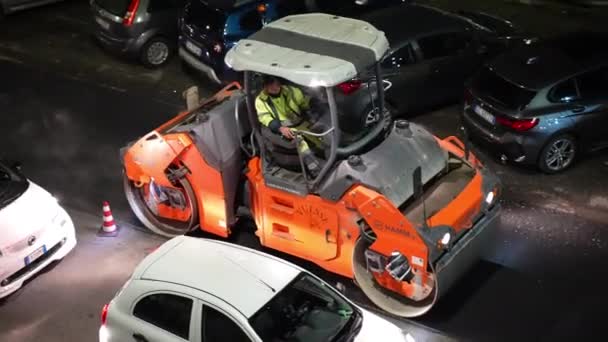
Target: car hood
point(375, 328)
point(29, 213)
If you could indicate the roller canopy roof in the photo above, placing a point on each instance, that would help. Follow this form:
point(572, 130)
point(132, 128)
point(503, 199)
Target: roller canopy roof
point(311, 49)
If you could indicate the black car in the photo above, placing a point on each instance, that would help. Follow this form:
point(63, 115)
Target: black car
point(543, 103)
point(143, 29)
point(433, 52)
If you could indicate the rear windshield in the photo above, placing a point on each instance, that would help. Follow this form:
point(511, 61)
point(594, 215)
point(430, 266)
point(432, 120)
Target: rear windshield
point(116, 7)
point(508, 95)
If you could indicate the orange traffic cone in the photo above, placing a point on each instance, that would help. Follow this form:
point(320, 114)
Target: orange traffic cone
point(109, 228)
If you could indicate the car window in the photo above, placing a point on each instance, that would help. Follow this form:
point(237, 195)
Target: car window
point(163, 5)
point(251, 21)
point(166, 311)
point(401, 57)
point(218, 327)
point(300, 307)
point(564, 92)
point(489, 84)
point(444, 44)
point(594, 84)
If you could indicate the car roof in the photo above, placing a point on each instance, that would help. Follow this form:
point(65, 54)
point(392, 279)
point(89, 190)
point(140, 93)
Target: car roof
point(242, 277)
point(313, 49)
point(538, 65)
point(405, 22)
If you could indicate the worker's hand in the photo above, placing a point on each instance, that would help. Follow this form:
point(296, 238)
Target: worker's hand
point(286, 132)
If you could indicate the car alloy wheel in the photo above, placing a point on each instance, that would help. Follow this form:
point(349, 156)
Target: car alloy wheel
point(559, 154)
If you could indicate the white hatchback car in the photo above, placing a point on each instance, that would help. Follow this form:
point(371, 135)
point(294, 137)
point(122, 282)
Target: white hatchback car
point(201, 290)
point(34, 230)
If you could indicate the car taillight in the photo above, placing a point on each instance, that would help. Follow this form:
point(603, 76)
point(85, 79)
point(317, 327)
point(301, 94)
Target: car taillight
point(130, 15)
point(104, 314)
point(350, 86)
point(520, 125)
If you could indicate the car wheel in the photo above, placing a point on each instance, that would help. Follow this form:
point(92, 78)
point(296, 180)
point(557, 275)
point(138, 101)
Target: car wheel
point(558, 154)
point(156, 52)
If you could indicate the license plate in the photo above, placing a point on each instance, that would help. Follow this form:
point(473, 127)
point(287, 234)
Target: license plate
point(35, 255)
point(193, 48)
point(102, 23)
point(484, 114)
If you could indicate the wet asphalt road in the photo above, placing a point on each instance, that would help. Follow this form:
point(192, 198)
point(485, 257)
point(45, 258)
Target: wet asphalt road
point(66, 119)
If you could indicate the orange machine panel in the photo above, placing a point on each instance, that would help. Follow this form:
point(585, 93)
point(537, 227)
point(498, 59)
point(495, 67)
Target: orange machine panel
point(151, 155)
point(309, 227)
point(208, 187)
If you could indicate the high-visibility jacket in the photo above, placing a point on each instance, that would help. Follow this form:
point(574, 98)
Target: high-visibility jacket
point(284, 110)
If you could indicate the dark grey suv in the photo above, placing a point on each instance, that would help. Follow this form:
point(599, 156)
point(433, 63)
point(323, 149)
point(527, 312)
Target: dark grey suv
point(542, 103)
point(144, 29)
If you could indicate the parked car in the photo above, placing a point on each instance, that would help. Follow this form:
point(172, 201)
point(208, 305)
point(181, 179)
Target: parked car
point(11, 6)
point(34, 229)
point(544, 103)
point(205, 290)
point(142, 29)
point(433, 52)
point(209, 28)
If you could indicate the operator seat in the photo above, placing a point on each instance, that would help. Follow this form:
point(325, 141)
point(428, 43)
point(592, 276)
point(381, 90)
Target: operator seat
point(283, 152)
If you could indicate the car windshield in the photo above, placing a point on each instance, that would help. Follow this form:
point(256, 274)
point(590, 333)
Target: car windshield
point(12, 185)
point(116, 7)
point(306, 310)
point(508, 95)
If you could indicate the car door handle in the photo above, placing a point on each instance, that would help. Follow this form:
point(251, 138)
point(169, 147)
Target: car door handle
point(139, 337)
point(578, 109)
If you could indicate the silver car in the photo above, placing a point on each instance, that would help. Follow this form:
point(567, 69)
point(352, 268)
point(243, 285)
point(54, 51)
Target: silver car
point(542, 104)
point(143, 29)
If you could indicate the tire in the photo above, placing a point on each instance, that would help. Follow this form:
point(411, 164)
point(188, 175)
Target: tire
point(158, 225)
point(558, 154)
point(156, 52)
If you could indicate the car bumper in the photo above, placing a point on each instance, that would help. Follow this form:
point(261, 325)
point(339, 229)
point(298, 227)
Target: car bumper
point(126, 46)
point(58, 239)
point(507, 146)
